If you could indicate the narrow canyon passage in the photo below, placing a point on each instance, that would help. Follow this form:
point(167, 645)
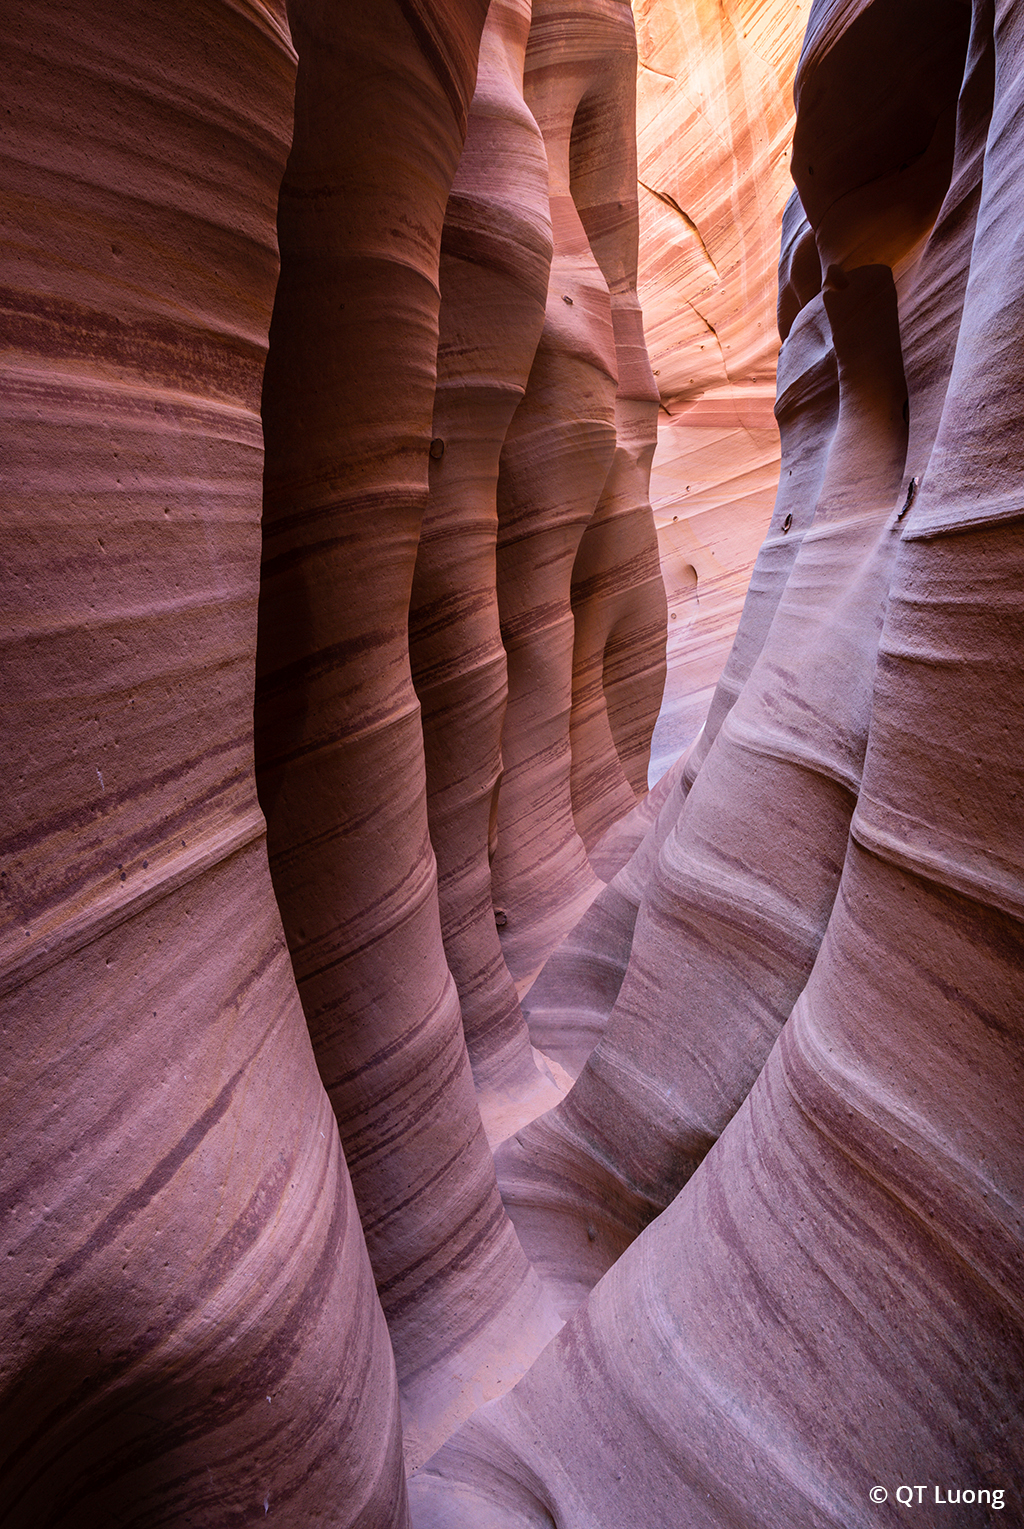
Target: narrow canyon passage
point(411, 1120)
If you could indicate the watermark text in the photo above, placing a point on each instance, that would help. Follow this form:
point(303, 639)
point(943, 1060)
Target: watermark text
point(917, 1495)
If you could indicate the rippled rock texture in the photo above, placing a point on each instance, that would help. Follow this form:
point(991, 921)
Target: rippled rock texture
point(580, 595)
point(348, 400)
point(183, 1260)
point(206, 1318)
point(714, 129)
point(795, 1154)
point(260, 1108)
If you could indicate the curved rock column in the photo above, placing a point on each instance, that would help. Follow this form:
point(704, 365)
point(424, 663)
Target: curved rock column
point(618, 595)
point(554, 465)
point(743, 886)
point(806, 410)
point(381, 102)
point(837, 1290)
point(189, 1329)
point(741, 892)
point(570, 1003)
point(495, 262)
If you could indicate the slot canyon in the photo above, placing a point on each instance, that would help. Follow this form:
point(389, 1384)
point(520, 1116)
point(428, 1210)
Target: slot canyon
point(512, 961)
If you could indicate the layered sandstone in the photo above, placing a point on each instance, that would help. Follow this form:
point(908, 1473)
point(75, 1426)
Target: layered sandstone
point(135, 382)
point(182, 1247)
point(742, 889)
point(494, 271)
point(579, 591)
point(835, 1237)
point(794, 1009)
point(348, 405)
point(714, 124)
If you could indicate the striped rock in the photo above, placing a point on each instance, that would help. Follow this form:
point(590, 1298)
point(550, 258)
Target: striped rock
point(714, 125)
point(743, 886)
point(835, 1291)
point(381, 108)
point(575, 536)
point(495, 262)
point(182, 1250)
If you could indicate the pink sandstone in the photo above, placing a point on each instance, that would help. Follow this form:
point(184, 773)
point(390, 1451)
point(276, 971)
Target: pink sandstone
point(835, 1288)
point(781, 1204)
point(182, 1245)
point(714, 125)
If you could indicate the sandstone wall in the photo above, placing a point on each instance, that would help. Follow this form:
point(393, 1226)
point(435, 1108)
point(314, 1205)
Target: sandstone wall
point(780, 1206)
point(714, 127)
point(182, 1247)
point(347, 405)
point(579, 591)
point(809, 1072)
point(183, 1208)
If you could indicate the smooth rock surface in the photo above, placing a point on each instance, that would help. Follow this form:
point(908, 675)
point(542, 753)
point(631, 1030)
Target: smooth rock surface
point(182, 1251)
point(494, 270)
point(348, 403)
point(836, 1290)
point(783, 1199)
point(714, 124)
point(575, 535)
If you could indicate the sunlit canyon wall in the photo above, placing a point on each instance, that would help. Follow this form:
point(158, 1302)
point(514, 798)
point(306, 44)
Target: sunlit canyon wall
point(714, 131)
point(294, 1180)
